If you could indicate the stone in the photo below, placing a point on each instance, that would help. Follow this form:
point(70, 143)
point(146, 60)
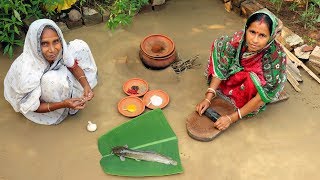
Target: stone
point(63, 26)
point(250, 6)
point(88, 11)
point(157, 2)
point(292, 39)
point(307, 48)
point(91, 16)
point(301, 54)
point(315, 69)
point(94, 19)
point(74, 25)
point(74, 15)
point(315, 56)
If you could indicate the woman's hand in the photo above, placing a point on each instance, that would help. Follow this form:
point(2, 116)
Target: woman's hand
point(82, 79)
point(75, 103)
point(202, 106)
point(223, 123)
point(87, 93)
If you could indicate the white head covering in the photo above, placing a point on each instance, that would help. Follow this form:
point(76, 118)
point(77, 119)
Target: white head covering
point(22, 82)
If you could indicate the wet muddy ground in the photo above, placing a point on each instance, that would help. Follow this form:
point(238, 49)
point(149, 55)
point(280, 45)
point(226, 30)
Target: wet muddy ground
point(280, 143)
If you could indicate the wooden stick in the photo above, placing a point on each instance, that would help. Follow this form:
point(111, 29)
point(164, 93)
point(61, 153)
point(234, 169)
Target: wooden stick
point(300, 63)
point(293, 82)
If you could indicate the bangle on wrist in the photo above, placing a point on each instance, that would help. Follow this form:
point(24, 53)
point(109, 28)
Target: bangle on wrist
point(81, 77)
point(229, 119)
point(239, 114)
point(211, 90)
point(48, 107)
point(208, 100)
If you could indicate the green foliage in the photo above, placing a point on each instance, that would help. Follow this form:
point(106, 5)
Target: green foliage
point(100, 5)
point(12, 14)
point(309, 17)
point(316, 2)
point(122, 12)
point(310, 41)
point(293, 6)
point(278, 4)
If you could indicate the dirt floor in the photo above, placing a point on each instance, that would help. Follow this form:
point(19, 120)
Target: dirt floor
point(292, 20)
point(280, 143)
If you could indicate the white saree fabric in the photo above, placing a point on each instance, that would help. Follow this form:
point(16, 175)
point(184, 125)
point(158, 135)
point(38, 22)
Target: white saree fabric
point(31, 80)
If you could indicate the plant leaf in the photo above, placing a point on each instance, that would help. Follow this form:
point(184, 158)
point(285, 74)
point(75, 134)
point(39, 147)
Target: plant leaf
point(6, 49)
point(17, 15)
point(16, 30)
point(317, 2)
point(10, 52)
point(149, 132)
point(318, 19)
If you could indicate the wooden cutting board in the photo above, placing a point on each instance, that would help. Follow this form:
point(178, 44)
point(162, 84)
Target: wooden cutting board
point(201, 127)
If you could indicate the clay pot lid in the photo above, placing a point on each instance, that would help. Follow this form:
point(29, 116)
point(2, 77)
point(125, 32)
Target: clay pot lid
point(131, 106)
point(157, 45)
point(151, 99)
point(161, 58)
point(135, 87)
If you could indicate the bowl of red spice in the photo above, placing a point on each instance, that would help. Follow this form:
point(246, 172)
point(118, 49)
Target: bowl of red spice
point(135, 87)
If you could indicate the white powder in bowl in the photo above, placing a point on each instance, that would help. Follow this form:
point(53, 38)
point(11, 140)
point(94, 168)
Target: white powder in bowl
point(156, 100)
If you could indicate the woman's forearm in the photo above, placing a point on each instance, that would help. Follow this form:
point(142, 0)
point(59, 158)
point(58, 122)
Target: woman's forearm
point(251, 106)
point(79, 75)
point(47, 107)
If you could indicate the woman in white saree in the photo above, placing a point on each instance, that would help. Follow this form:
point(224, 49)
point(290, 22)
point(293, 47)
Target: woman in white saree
point(50, 79)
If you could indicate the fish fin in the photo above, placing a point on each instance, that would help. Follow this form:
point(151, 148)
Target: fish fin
point(137, 159)
point(126, 146)
point(122, 158)
point(174, 163)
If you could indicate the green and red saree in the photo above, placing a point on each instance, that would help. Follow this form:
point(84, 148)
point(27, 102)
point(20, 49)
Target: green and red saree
point(245, 74)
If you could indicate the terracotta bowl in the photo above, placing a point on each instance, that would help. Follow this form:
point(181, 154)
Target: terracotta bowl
point(163, 95)
point(153, 63)
point(129, 86)
point(131, 101)
point(157, 45)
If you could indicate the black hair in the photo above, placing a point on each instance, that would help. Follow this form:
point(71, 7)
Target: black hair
point(260, 17)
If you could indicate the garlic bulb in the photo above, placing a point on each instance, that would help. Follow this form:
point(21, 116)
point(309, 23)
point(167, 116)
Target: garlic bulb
point(91, 126)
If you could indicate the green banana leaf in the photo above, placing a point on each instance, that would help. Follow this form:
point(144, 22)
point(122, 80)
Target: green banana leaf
point(148, 132)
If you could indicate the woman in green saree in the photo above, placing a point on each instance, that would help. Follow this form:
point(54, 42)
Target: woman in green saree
point(248, 68)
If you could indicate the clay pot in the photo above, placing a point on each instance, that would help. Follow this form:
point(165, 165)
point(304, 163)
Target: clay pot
point(153, 63)
point(157, 45)
point(157, 51)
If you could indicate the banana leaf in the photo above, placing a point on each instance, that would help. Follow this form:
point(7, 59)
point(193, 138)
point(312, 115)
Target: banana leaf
point(148, 132)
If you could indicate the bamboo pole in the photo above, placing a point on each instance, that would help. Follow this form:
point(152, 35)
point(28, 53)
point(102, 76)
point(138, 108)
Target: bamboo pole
point(292, 81)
